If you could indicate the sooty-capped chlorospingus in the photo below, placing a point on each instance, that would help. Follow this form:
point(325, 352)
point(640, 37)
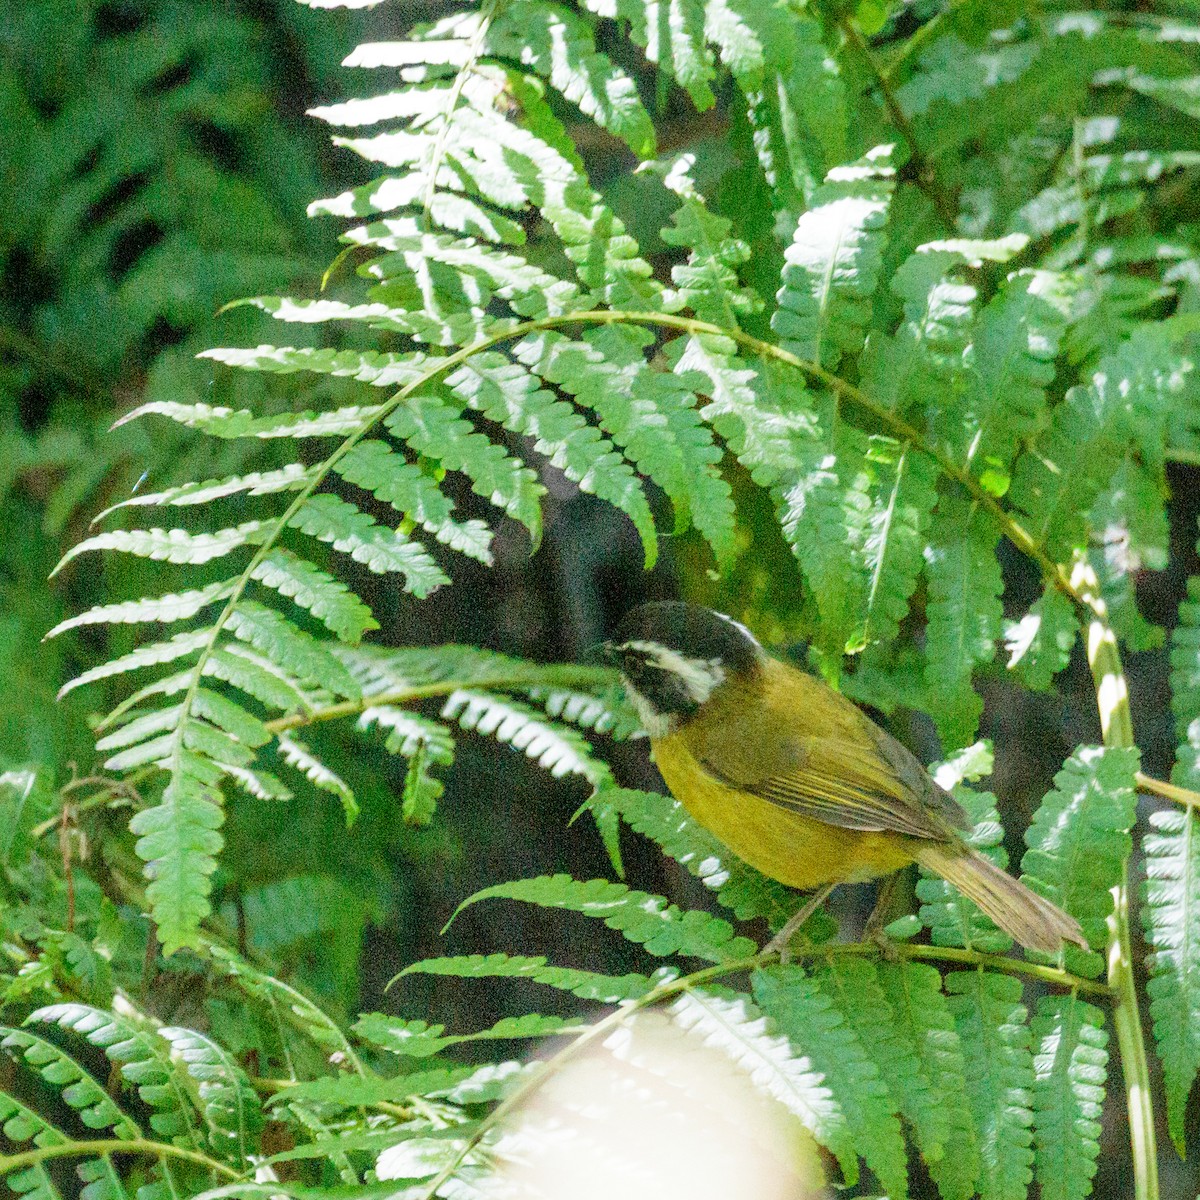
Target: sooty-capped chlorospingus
point(793, 777)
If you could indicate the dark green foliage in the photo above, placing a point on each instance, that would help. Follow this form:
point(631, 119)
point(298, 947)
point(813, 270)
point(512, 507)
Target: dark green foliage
point(913, 300)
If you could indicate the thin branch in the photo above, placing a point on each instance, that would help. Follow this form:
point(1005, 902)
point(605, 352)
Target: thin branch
point(114, 1146)
point(444, 687)
point(926, 173)
point(1168, 791)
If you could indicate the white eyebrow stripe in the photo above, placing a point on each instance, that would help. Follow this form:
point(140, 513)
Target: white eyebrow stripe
point(700, 676)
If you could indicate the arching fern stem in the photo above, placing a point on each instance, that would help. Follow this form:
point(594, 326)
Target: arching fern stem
point(110, 1146)
point(1103, 654)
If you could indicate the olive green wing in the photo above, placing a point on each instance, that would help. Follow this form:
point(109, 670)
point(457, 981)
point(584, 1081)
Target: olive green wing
point(858, 778)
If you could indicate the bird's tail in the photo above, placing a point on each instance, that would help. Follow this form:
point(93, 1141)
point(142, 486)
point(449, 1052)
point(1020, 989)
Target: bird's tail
point(1024, 915)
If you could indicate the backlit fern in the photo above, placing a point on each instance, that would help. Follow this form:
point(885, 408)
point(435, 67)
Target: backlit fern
point(934, 306)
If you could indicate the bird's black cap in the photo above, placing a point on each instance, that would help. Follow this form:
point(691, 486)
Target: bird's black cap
point(690, 630)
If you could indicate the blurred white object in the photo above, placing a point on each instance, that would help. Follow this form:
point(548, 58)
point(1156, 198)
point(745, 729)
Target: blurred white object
point(655, 1114)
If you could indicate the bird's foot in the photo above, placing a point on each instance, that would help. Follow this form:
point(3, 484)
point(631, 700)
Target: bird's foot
point(781, 943)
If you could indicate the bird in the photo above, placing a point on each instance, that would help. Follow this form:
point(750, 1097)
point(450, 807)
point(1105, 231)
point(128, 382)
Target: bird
point(797, 780)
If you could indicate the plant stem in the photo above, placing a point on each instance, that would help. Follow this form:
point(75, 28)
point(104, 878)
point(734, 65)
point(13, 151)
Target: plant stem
point(1116, 724)
point(926, 176)
point(352, 708)
point(1168, 791)
point(111, 1146)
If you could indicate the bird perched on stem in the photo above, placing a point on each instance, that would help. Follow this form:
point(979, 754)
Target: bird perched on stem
point(794, 778)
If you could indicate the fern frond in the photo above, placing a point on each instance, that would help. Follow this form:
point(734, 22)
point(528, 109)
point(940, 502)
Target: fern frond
point(1171, 916)
point(1015, 343)
point(1070, 1058)
point(1079, 842)
point(1129, 395)
point(417, 1039)
point(298, 756)
point(1040, 643)
point(228, 1102)
point(328, 599)
point(258, 483)
point(426, 744)
point(673, 36)
point(781, 1069)
point(964, 611)
point(932, 1092)
point(435, 430)
point(143, 1060)
point(508, 394)
point(288, 646)
point(332, 519)
point(173, 545)
point(561, 47)
point(179, 840)
point(832, 266)
point(994, 1033)
point(826, 516)
point(855, 986)
point(20, 1123)
point(164, 609)
point(648, 920)
point(350, 1091)
point(560, 750)
point(648, 414)
point(587, 985)
point(894, 541)
point(373, 465)
point(805, 1011)
point(241, 423)
point(86, 1097)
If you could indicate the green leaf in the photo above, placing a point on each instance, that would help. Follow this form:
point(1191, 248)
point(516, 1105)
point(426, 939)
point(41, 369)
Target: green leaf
point(508, 394)
point(1040, 643)
point(1079, 841)
point(297, 755)
point(179, 840)
point(174, 545)
point(416, 1039)
point(964, 611)
point(143, 1059)
point(587, 985)
point(832, 266)
point(258, 483)
point(559, 45)
point(426, 744)
point(228, 1102)
point(1171, 916)
point(867, 1125)
point(895, 538)
point(557, 749)
point(332, 519)
point(166, 609)
point(289, 647)
point(328, 599)
point(408, 489)
point(647, 920)
point(1070, 1058)
point(993, 1029)
point(931, 1090)
point(91, 1103)
point(227, 423)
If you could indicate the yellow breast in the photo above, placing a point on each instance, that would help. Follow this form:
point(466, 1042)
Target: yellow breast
point(796, 850)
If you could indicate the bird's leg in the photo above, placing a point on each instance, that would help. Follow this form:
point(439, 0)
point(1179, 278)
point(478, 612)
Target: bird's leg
point(780, 942)
point(873, 929)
